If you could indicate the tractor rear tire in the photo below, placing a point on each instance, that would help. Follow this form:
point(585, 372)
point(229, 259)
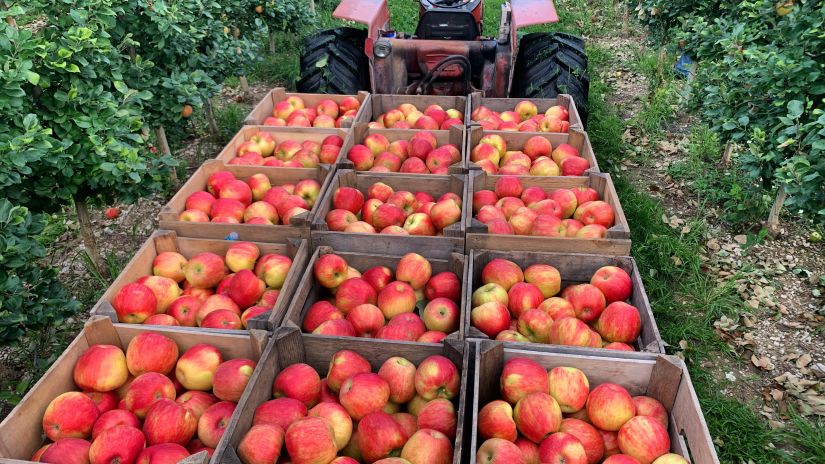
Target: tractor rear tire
point(333, 61)
point(549, 64)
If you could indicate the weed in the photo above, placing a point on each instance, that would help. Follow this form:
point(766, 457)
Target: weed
point(230, 118)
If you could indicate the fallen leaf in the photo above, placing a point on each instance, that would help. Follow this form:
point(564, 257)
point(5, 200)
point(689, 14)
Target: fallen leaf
point(803, 360)
point(741, 239)
point(762, 362)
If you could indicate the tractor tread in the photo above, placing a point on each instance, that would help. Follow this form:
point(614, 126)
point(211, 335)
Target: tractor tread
point(333, 61)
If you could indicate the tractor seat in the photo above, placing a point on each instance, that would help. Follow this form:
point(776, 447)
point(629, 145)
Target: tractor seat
point(447, 24)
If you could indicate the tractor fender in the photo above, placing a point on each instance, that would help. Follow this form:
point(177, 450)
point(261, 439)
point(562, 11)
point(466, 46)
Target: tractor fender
point(531, 12)
point(373, 13)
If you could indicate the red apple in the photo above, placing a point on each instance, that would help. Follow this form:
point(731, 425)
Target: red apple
point(364, 393)
point(428, 446)
point(70, 415)
point(151, 352)
point(619, 322)
point(343, 365)
point(134, 303)
point(169, 422)
point(495, 420)
point(499, 451)
point(614, 282)
point(569, 387)
point(520, 377)
point(437, 377)
point(380, 436)
point(64, 451)
point(609, 406)
point(647, 406)
point(298, 381)
point(644, 438)
point(338, 418)
point(330, 270)
point(490, 318)
point(502, 272)
point(562, 448)
point(438, 414)
point(587, 300)
point(281, 412)
point(119, 444)
point(537, 415)
point(196, 367)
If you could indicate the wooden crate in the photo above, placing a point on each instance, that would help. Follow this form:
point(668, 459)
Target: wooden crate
point(164, 240)
point(380, 103)
point(508, 104)
point(436, 185)
point(288, 346)
point(309, 291)
point(516, 140)
point(264, 107)
point(617, 241)
point(574, 269)
point(249, 232)
point(299, 134)
point(21, 431)
point(659, 376)
point(360, 131)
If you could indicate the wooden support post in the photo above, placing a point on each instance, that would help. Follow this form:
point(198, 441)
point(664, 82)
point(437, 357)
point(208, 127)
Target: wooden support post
point(776, 209)
point(163, 145)
point(312, 6)
point(88, 235)
point(727, 154)
point(661, 64)
point(210, 117)
point(244, 87)
point(625, 20)
point(271, 42)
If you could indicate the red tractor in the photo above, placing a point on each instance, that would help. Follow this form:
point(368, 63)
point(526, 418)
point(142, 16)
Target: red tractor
point(447, 54)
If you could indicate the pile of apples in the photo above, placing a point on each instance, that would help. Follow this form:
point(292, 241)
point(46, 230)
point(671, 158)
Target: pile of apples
point(206, 290)
point(513, 209)
point(418, 155)
point(355, 415)
point(376, 305)
point(522, 306)
point(147, 405)
point(554, 417)
point(388, 211)
point(292, 111)
point(263, 149)
point(536, 158)
point(407, 116)
point(525, 117)
point(228, 199)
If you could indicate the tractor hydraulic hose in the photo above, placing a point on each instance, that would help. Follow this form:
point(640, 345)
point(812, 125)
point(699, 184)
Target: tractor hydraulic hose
point(461, 60)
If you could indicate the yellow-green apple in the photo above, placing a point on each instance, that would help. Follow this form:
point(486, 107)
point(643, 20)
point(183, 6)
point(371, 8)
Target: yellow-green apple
point(569, 387)
point(121, 443)
point(592, 231)
point(366, 319)
point(614, 282)
point(165, 290)
point(511, 336)
point(320, 312)
point(151, 352)
point(499, 451)
point(169, 264)
point(495, 420)
point(588, 436)
point(280, 411)
point(570, 331)
point(609, 406)
point(217, 180)
point(532, 195)
point(145, 390)
point(544, 166)
point(437, 377)
point(643, 438)
point(441, 314)
point(380, 436)
point(376, 143)
point(298, 381)
point(196, 367)
point(338, 418)
point(101, 368)
point(343, 365)
point(339, 219)
point(522, 221)
point(595, 212)
point(330, 270)
point(361, 157)
point(396, 298)
point(262, 444)
point(490, 213)
point(562, 448)
point(483, 198)
point(353, 292)
point(197, 401)
point(364, 393)
point(428, 446)
point(413, 269)
point(535, 325)
point(520, 377)
point(273, 269)
point(65, 450)
point(490, 318)
point(526, 109)
point(537, 146)
point(443, 285)
point(169, 422)
point(502, 272)
point(205, 270)
point(523, 296)
point(134, 303)
point(537, 415)
point(399, 373)
point(619, 322)
point(242, 255)
point(438, 414)
point(485, 152)
point(647, 406)
point(231, 378)
point(348, 198)
point(545, 277)
point(194, 215)
point(572, 227)
point(70, 415)
point(214, 421)
point(566, 200)
point(163, 453)
point(670, 458)
point(105, 401)
point(587, 300)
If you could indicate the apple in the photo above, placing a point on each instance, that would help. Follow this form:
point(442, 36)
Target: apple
point(499, 451)
point(587, 300)
point(520, 377)
point(343, 365)
point(445, 213)
point(644, 438)
point(169, 422)
point(522, 221)
point(537, 415)
point(428, 446)
point(262, 444)
point(348, 198)
point(572, 227)
point(380, 436)
point(587, 435)
point(611, 443)
point(145, 390)
point(70, 415)
point(386, 215)
point(574, 166)
point(438, 414)
point(413, 269)
point(437, 377)
point(194, 215)
point(205, 270)
point(537, 146)
point(495, 420)
point(241, 255)
point(570, 331)
point(508, 186)
point(366, 320)
point(215, 303)
point(105, 401)
point(511, 336)
point(197, 401)
point(150, 352)
point(134, 303)
point(441, 314)
point(614, 282)
point(364, 393)
point(592, 231)
point(609, 406)
point(670, 458)
point(101, 368)
point(399, 374)
point(545, 277)
point(569, 387)
point(595, 212)
point(214, 421)
point(335, 328)
point(298, 381)
point(483, 198)
point(502, 272)
point(338, 418)
point(353, 292)
point(619, 322)
point(330, 270)
point(407, 421)
point(119, 444)
point(280, 411)
point(562, 448)
point(231, 378)
point(543, 166)
point(170, 264)
point(647, 406)
point(339, 219)
point(490, 318)
point(535, 325)
point(522, 297)
point(196, 367)
point(485, 152)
